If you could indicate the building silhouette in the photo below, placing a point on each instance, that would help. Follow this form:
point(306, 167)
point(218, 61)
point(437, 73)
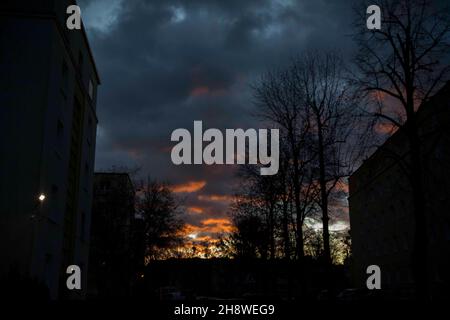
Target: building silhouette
point(48, 90)
point(381, 204)
point(113, 256)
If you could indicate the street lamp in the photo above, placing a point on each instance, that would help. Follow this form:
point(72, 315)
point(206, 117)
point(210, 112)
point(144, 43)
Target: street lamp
point(38, 204)
point(35, 217)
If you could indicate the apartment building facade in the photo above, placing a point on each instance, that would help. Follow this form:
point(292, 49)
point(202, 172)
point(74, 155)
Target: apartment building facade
point(381, 204)
point(48, 122)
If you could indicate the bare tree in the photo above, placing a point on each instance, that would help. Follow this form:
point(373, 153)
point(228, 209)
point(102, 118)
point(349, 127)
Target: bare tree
point(401, 66)
point(278, 100)
point(254, 213)
point(160, 211)
point(285, 197)
point(328, 103)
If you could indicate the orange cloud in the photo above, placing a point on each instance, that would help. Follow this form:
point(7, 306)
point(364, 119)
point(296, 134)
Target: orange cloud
point(202, 241)
point(191, 229)
point(218, 225)
point(191, 186)
point(205, 90)
point(208, 226)
point(385, 128)
point(215, 197)
point(207, 239)
point(378, 95)
point(195, 209)
point(216, 221)
point(199, 91)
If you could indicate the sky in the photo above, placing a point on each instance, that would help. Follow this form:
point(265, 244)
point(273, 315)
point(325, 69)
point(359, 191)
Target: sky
point(164, 64)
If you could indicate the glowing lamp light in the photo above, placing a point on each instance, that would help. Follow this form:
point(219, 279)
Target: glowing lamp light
point(41, 197)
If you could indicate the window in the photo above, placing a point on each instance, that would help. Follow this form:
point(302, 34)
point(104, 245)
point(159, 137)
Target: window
point(59, 135)
point(60, 128)
point(91, 89)
point(65, 78)
point(90, 132)
point(83, 227)
point(80, 64)
point(54, 211)
point(48, 270)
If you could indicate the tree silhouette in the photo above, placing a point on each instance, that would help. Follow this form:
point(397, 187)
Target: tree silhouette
point(400, 67)
point(329, 105)
point(314, 105)
point(160, 212)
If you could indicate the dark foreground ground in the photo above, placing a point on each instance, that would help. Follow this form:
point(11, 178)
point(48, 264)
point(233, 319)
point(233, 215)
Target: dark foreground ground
point(227, 289)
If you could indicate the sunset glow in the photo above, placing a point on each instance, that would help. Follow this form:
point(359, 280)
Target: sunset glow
point(197, 210)
point(188, 187)
point(215, 197)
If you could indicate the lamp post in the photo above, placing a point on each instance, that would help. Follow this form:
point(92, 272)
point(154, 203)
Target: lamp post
point(35, 217)
point(35, 211)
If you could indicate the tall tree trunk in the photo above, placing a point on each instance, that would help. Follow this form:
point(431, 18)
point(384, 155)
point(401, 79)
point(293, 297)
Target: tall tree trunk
point(271, 231)
point(299, 221)
point(287, 246)
point(323, 194)
point(299, 250)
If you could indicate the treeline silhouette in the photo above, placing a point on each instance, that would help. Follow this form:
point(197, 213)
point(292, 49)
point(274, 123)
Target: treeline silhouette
point(332, 113)
point(315, 108)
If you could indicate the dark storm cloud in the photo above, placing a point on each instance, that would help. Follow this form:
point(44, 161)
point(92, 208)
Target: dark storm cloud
point(164, 64)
